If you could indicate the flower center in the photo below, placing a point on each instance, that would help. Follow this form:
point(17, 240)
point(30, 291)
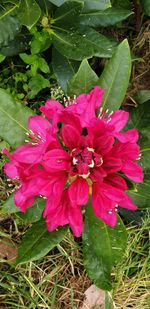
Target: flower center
point(83, 160)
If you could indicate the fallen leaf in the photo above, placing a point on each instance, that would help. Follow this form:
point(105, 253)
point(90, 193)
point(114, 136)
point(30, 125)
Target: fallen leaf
point(94, 298)
point(8, 250)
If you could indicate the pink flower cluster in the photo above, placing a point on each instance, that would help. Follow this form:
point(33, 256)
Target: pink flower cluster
point(72, 154)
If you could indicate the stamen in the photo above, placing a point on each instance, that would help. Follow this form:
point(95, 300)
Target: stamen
point(91, 164)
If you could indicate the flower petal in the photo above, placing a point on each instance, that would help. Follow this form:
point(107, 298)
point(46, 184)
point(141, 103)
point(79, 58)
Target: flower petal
point(119, 119)
point(116, 181)
point(39, 125)
point(76, 220)
point(103, 207)
point(103, 144)
point(127, 203)
point(128, 136)
point(51, 108)
point(133, 171)
point(70, 136)
point(78, 192)
point(56, 159)
point(29, 153)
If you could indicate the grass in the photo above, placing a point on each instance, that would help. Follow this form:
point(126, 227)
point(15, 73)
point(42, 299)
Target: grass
point(59, 280)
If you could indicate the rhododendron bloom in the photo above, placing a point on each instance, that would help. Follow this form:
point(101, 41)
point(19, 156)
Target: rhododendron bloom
point(74, 154)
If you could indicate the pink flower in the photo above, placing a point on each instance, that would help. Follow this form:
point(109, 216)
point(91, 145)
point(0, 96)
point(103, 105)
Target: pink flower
point(86, 155)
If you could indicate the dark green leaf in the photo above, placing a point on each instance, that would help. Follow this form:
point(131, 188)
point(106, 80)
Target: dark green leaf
point(37, 242)
point(95, 5)
point(140, 117)
point(83, 80)
point(9, 27)
point(36, 84)
point(67, 13)
point(16, 46)
point(28, 13)
point(13, 119)
point(142, 96)
point(105, 18)
point(63, 68)
point(82, 43)
point(115, 77)
point(146, 6)
point(126, 4)
point(103, 247)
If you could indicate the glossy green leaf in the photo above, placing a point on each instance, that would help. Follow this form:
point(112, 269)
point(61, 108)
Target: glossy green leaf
point(9, 28)
point(28, 13)
point(83, 80)
point(105, 18)
point(115, 77)
point(142, 96)
point(66, 14)
point(82, 43)
point(146, 6)
point(13, 119)
point(36, 84)
point(63, 68)
point(37, 242)
point(103, 247)
point(95, 5)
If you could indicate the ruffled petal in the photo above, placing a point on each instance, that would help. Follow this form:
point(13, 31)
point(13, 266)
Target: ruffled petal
point(103, 144)
point(118, 119)
point(111, 164)
point(56, 159)
point(51, 108)
point(29, 154)
point(76, 220)
point(133, 171)
point(116, 181)
point(103, 207)
point(78, 192)
point(38, 125)
point(127, 203)
point(128, 136)
point(10, 169)
point(70, 136)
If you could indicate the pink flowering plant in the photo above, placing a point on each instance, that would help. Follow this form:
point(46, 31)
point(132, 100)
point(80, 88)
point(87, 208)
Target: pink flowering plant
point(78, 166)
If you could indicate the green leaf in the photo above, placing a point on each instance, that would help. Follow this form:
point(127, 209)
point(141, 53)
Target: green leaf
point(37, 242)
point(103, 247)
point(95, 5)
point(2, 58)
point(28, 13)
point(63, 68)
point(142, 96)
point(36, 84)
point(57, 2)
point(13, 119)
point(146, 6)
point(83, 80)
point(9, 28)
point(67, 13)
point(115, 77)
point(16, 46)
point(9, 207)
point(82, 43)
point(126, 4)
point(34, 212)
point(105, 18)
